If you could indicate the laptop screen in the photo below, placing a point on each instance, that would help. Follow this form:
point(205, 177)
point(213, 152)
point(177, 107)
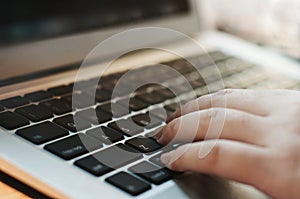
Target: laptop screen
point(25, 21)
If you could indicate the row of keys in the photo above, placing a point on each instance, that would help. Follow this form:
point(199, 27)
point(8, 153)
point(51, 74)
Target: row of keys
point(108, 82)
point(101, 114)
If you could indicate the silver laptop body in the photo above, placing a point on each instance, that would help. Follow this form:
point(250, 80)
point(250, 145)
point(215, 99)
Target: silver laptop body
point(59, 178)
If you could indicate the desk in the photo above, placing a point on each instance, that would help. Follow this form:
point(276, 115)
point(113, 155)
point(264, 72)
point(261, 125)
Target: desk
point(10, 193)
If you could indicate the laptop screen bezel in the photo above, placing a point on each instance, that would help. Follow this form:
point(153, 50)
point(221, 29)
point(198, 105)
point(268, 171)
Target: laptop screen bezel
point(43, 55)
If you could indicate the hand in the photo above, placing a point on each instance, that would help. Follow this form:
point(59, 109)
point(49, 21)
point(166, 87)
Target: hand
point(259, 143)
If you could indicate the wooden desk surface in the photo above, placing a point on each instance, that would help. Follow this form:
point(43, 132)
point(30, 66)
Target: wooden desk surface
point(10, 193)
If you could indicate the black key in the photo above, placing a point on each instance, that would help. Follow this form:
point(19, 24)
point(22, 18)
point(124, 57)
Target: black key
point(156, 160)
point(182, 66)
point(79, 100)
point(34, 113)
point(102, 116)
point(1, 108)
point(38, 96)
point(14, 102)
point(181, 88)
point(42, 133)
point(151, 98)
point(106, 135)
point(69, 123)
point(128, 183)
point(148, 88)
point(10, 120)
point(166, 93)
point(94, 116)
point(147, 121)
point(85, 84)
point(117, 156)
point(134, 104)
point(57, 106)
point(61, 90)
point(114, 109)
point(151, 172)
point(73, 146)
point(197, 83)
point(92, 165)
point(172, 107)
point(161, 113)
point(100, 95)
point(126, 127)
point(218, 56)
point(144, 144)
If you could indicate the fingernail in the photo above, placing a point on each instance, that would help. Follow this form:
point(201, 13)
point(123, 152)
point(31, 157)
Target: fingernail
point(165, 158)
point(158, 133)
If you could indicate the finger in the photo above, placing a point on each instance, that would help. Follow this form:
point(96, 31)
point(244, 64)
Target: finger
point(241, 99)
point(233, 160)
point(215, 123)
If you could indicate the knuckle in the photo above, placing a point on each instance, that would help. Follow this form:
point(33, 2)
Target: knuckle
point(219, 98)
point(244, 119)
point(225, 91)
point(213, 113)
point(213, 156)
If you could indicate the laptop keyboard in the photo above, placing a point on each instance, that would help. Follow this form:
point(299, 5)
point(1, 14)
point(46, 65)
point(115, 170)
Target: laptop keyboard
point(100, 140)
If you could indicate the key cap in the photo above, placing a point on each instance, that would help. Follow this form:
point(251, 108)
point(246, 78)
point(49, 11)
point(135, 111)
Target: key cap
point(93, 166)
point(166, 93)
point(100, 94)
point(172, 107)
point(106, 135)
point(128, 183)
point(126, 127)
point(79, 100)
point(151, 98)
point(182, 66)
point(1, 108)
point(148, 88)
point(117, 110)
point(117, 156)
point(57, 106)
point(197, 83)
point(161, 113)
point(218, 56)
point(144, 144)
point(69, 123)
point(61, 90)
point(38, 96)
point(102, 116)
point(146, 121)
point(134, 104)
point(156, 159)
point(34, 113)
point(74, 146)
point(151, 172)
point(85, 84)
point(42, 133)
point(181, 88)
point(14, 102)
point(10, 120)
point(94, 116)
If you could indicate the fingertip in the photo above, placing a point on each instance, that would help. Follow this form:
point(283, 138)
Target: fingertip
point(165, 158)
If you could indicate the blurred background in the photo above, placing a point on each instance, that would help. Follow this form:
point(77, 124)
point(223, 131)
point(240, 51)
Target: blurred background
point(275, 23)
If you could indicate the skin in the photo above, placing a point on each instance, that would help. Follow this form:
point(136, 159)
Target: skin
point(259, 143)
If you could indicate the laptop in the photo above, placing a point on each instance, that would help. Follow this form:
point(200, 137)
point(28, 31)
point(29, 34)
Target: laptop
point(85, 84)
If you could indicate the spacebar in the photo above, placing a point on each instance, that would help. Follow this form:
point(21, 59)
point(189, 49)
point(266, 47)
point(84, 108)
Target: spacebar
point(118, 156)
